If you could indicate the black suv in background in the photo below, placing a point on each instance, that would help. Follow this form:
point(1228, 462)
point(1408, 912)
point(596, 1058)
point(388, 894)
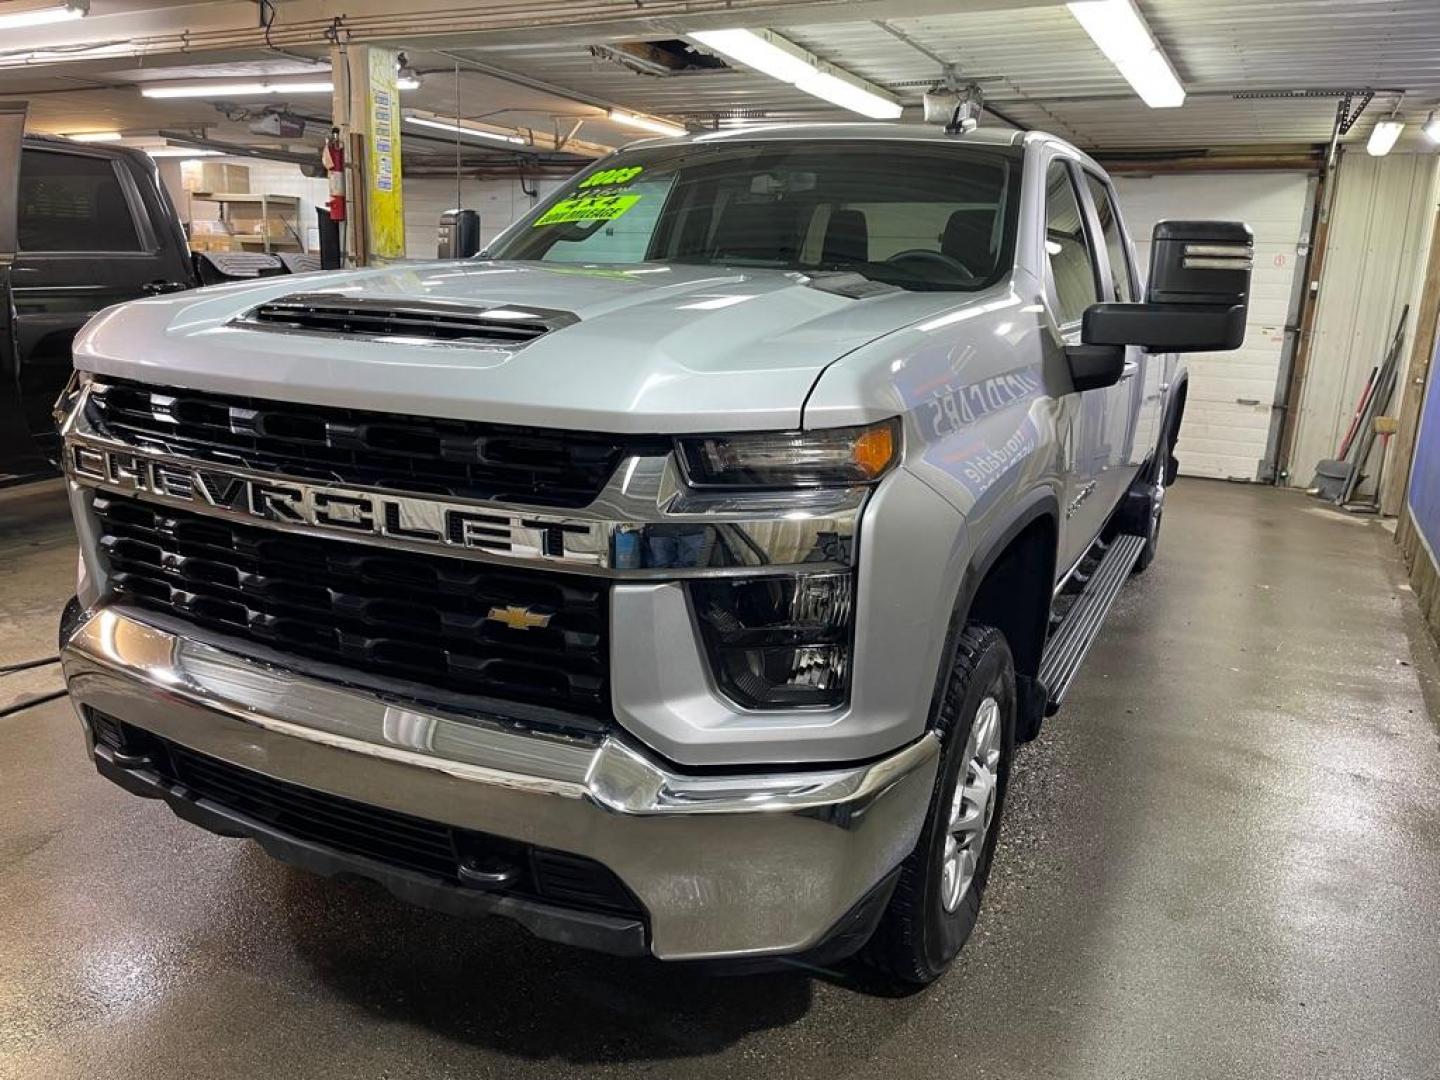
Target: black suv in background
point(91, 226)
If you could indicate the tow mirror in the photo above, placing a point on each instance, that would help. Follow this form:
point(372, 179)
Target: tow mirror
point(1198, 294)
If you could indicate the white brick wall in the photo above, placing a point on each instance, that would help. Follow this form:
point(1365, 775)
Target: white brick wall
point(499, 202)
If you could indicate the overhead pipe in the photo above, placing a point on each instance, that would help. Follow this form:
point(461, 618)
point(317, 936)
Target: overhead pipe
point(1300, 162)
point(180, 138)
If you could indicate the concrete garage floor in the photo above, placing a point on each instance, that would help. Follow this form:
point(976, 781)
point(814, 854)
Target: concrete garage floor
point(1221, 860)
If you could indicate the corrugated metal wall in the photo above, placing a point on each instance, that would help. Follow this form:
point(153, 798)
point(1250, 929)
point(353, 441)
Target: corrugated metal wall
point(1379, 228)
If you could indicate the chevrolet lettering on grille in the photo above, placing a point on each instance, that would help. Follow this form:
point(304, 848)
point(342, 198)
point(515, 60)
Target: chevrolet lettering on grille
point(297, 504)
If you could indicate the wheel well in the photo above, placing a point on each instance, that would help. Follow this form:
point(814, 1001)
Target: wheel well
point(1166, 470)
point(1177, 413)
point(1014, 595)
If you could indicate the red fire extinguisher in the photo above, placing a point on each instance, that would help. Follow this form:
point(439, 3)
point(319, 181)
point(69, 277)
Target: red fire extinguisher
point(333, 158)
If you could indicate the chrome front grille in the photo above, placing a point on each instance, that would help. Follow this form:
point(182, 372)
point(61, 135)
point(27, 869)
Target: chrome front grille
point(389, 451)
point(494, 634)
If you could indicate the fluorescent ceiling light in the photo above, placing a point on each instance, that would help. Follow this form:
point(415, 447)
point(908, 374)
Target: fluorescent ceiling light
point(1382, 138)
point(407, 82)
point(645, 123)
point(772, 55)
point(222, 87)
point(1121, 34)
point(1432, 128)
point(95, 136)
point(21, 15)
point(478, 133)
point(848, 95)
point(179, 151)
point(761, 51)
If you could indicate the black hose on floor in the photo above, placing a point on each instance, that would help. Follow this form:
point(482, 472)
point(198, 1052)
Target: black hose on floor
point(26, 665)
point(31, 702)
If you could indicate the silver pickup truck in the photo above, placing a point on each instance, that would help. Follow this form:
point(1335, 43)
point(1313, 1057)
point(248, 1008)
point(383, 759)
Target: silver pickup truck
point(676, 578)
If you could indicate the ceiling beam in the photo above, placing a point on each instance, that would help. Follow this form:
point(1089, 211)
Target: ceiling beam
point(204, 31)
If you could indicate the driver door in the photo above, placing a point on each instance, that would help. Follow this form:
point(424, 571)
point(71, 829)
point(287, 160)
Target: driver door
point(1128, 436)
point(1072, 283)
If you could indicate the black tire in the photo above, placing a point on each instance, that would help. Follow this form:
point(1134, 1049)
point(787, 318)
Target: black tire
point(1154, 510)
point(917, 938)
point(1152, 542)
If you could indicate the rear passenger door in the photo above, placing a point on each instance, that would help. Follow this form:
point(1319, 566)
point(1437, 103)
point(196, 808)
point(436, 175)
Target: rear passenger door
point(88, 238)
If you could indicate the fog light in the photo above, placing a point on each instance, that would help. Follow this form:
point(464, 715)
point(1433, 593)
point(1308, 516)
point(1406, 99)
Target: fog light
point(778, 642)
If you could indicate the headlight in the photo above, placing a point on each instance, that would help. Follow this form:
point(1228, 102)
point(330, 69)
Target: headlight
point(835, 456)
point(65, 403)
point(778, 642)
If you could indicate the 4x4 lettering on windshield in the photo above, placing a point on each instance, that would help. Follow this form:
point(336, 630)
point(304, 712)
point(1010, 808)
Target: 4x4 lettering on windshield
point(588, 208)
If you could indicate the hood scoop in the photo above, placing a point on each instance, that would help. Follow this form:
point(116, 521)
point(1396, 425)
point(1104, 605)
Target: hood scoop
point(438, 322)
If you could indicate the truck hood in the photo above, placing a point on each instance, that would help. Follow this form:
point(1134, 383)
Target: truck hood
point(657, 348)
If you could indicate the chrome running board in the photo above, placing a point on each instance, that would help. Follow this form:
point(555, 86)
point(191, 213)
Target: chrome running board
point(1066, 649)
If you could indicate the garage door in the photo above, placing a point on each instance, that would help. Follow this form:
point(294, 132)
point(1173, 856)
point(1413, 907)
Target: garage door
point(1229, 410)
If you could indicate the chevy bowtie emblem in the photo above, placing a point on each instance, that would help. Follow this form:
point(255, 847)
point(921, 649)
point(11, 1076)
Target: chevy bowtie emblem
point(519, 618)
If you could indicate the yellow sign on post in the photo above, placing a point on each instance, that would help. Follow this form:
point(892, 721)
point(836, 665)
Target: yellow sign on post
point(386, 206)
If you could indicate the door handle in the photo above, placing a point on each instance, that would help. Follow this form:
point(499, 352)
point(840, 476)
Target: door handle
point(1129, 370)
point(159, 288)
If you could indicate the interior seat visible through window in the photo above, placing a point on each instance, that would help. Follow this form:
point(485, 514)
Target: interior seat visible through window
point(968, 232)
point(847, 238)
point(757, 230)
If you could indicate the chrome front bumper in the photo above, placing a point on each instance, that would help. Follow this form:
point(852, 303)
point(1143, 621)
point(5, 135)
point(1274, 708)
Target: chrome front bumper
point(726, 866)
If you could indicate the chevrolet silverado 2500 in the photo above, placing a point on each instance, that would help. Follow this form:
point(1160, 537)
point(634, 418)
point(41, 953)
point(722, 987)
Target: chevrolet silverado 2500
point(675, 578)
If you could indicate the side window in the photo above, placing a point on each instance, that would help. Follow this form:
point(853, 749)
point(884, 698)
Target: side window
point(1073, 281)
point(73, 202)
point(1114, 242)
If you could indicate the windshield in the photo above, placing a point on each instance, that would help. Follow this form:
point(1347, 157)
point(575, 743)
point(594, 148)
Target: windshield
point(910, 215)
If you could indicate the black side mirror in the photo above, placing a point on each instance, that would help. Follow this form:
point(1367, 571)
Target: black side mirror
point(1094, 367)
point(1198, 294)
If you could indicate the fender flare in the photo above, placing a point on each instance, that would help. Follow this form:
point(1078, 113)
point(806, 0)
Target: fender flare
point(1173, 414)
point(1038, 503)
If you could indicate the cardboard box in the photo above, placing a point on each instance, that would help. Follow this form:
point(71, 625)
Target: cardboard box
point(203, 227)
point(215, 243)
point(211, 177)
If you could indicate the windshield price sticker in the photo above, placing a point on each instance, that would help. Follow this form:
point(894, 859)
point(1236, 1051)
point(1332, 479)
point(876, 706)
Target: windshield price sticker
point(611, 177)
point(588, 208)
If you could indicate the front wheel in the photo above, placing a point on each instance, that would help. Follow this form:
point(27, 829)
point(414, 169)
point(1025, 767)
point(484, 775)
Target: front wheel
point(937, 898)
